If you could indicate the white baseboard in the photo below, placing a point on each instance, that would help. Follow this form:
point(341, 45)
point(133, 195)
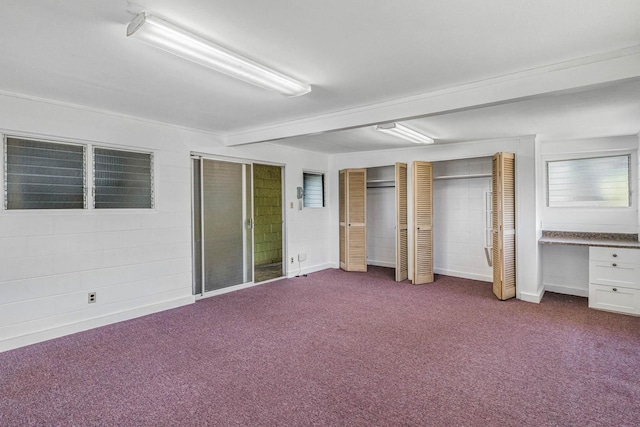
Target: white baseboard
point(96, 322)
point(295, 271)
point(463, 275)
point(532, 297)
point(567, 290)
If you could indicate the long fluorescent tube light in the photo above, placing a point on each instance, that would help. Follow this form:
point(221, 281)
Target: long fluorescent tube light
point(170, 38)
point(405, 133)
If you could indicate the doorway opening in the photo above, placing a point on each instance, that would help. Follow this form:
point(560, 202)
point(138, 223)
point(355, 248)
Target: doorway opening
point(238, 224)
point(268, 224)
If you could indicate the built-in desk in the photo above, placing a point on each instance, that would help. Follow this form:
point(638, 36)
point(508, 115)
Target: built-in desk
point(614, 267)
point(607, 240)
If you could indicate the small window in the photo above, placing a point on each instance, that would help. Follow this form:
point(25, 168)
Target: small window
point(44, 175)
point(313, 190)
point(591, 182)
point(122, 179)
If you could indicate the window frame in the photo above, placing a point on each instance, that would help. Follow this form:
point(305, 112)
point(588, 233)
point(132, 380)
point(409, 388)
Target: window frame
point(88, 175)
point(324, 188)
point(632, 180)
point(5, 173)
point(93, 148)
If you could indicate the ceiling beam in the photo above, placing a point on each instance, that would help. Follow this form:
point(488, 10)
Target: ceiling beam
point(572, 75)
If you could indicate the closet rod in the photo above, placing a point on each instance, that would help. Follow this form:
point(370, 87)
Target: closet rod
point(477, 175)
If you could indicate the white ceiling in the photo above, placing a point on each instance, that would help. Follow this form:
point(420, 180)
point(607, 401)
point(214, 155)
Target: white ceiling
point(355, 54)
point(596, 112)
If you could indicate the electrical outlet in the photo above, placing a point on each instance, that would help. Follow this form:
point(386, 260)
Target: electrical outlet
point(92, 297)
point(302, 256)
point(291, 260)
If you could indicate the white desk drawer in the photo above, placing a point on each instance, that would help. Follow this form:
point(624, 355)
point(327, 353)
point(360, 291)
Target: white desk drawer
point(612, 298)
point(614, 274)
point(614, 254)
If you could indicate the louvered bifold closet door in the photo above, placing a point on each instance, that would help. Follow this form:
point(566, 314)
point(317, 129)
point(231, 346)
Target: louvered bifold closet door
point(402, 238)
point(342, 215)
point(354, 250)
point(423, 222)
point(504, 225)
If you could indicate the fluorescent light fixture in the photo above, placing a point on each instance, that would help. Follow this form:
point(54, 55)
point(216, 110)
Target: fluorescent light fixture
point(170, 38)
point(405, 133)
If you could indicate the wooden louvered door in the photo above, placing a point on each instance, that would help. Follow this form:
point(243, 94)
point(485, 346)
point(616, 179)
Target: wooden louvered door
point(504, 226)
point(402, 238)
point(352, 217)
point(423, 223)
point(342, 216)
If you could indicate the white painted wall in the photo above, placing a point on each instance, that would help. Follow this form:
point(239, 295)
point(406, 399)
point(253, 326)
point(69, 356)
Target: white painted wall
point(381, 226)
point(565, 269)
point(459, 228)
point(381, 216)
point(460, 218)
point(527, 224)
point(139, 261)
point(613, 220)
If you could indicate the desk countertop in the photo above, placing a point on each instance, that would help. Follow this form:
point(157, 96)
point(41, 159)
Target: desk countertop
point(608, 240)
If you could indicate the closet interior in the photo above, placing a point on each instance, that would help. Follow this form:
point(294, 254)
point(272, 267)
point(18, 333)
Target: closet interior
point(373, 219)
point(462, 218)
point(381, 216)
point(386, 218)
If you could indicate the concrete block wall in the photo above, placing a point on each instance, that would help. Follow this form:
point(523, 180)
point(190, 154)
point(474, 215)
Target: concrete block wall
point(267, 205)
point(459, 228)
point(138, 261)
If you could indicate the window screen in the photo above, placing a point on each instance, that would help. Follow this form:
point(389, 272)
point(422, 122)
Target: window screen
point(122, 179)
point(44, 175)
point(592, 182)
point(313, 190)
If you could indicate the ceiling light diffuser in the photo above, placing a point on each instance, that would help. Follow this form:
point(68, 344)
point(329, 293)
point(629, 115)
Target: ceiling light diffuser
point(405, 133)
point(170, 38)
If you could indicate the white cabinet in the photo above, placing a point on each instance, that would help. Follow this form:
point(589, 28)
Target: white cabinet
point(614, 279)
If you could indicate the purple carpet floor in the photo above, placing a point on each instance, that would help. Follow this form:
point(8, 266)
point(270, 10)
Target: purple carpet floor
point(338, 349)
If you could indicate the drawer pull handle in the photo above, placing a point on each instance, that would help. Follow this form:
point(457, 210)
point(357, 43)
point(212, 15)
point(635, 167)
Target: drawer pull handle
point(615, 255)
point(615, 289)
point(614, 264)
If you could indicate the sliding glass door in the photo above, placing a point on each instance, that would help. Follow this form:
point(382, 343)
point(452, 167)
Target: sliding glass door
point(222, 224)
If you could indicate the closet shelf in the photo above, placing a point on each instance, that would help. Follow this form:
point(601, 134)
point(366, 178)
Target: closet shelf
point(476, 175)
